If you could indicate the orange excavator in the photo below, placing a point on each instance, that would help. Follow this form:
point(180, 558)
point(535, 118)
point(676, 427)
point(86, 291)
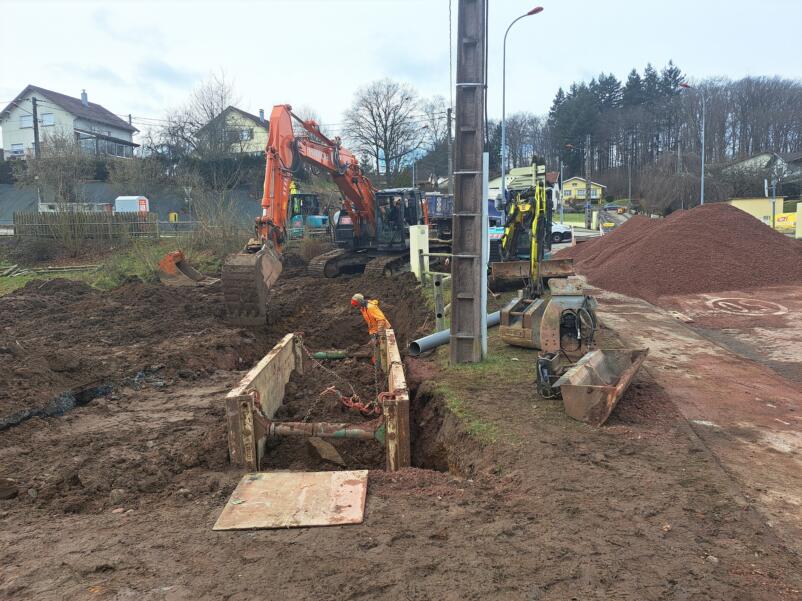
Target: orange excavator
point(371, 230)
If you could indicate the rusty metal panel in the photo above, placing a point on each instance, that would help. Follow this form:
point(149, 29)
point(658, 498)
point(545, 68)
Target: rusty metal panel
point(295, 499)
point(241, 443)
point(269, 377)
point(396, 407)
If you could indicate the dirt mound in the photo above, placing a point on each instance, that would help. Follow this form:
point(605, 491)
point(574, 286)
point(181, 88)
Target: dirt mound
point(710, 248)
point(321, 308)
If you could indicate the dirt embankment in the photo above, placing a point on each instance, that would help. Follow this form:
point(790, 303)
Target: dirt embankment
point(132, 482)
point(710, 248)
point(60, 337)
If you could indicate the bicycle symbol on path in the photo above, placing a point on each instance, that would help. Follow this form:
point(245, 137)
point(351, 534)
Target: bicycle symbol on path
point(746, 306)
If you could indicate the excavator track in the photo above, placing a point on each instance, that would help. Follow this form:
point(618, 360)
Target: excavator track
point(386, 265)
point(335, 262)
point(325, 265)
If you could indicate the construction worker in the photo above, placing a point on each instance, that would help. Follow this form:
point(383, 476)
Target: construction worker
point(371, 313)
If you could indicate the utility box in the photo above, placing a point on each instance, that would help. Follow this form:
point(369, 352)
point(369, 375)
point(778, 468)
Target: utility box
point(418, 241)
point(798, 232)
point(131, 204)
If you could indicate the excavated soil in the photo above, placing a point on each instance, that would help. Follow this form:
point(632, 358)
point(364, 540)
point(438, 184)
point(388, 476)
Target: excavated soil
point(61, 339)
point(116, 498)
point(709, 248)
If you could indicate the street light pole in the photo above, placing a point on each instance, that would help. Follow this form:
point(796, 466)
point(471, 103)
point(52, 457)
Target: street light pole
point(534, 11)
point(701, 94)
point(702, 193)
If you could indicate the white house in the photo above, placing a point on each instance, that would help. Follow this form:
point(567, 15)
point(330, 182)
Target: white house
point(98, 130)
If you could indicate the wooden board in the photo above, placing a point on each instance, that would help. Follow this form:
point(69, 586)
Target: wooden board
point(295, 499)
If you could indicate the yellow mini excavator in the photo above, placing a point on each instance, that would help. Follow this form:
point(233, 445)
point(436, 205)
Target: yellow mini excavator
point(555, 314)
point(552, 313)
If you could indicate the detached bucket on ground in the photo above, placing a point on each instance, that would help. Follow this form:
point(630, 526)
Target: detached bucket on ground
point(592, 388)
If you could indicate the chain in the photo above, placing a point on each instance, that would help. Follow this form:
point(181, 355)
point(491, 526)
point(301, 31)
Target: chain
point(352, 402)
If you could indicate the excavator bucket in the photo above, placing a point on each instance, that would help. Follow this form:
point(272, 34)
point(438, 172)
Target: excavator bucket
point(593, 386)
point(502, 272)
point(175, 270)
point(247, 278)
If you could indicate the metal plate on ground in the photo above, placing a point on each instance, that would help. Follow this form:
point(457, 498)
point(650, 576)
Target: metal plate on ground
point(295, 500)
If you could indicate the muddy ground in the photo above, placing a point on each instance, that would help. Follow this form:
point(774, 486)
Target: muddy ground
point(115, 499)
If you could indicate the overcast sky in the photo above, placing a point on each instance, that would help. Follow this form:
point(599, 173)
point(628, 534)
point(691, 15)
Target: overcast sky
point(144, 58)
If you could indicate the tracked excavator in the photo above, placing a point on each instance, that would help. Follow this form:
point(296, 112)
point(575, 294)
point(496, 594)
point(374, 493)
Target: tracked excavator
point(372, 230)
point(553, 312)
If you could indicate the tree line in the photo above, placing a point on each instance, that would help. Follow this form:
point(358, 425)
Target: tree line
point(649, 127)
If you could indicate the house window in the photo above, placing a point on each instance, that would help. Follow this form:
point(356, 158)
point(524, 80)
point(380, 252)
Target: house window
point(25, 121)
point(48, 119)
point(580, 193)
point(17, 150)
point(245, 134)
point(594, 193)
point(568, 193)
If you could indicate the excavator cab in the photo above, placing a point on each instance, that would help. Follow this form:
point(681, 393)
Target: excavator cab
point(396, 210)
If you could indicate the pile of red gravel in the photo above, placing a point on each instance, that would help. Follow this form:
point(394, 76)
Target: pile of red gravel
point(710, 248)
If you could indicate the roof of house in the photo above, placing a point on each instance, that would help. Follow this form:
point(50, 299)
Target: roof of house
point(792, 157)
point(245, 114)
point(582, 179)
point(74, 106)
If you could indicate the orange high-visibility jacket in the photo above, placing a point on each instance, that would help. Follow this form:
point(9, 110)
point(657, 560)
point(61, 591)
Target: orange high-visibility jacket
point(373, 316)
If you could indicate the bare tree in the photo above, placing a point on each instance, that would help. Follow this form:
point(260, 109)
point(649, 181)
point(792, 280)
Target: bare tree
point(435, 114)
point(197, 126)
point(384, 122)
point(60, 170)
point(143, 176)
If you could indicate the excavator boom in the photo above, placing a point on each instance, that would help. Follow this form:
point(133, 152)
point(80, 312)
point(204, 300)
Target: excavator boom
point(249, 274)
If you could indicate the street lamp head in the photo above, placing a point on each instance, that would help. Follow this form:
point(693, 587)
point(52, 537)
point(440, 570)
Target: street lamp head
point(534, 11)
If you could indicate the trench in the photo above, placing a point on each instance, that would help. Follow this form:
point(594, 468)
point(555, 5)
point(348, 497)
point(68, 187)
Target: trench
point(437, 438)
point(58, 405)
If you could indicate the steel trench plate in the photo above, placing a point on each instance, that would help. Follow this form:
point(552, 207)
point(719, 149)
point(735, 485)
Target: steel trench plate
point(295, 500)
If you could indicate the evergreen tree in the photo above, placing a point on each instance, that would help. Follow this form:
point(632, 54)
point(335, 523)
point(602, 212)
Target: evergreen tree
point(633, 90)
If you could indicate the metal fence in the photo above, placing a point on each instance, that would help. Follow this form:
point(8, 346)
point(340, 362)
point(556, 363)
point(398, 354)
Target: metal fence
point(95, 226)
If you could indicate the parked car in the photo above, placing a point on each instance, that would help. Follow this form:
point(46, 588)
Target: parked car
point(560, 233)
point(611, 207)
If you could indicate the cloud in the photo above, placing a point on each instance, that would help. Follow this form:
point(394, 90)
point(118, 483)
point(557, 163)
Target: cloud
point(153, 69)
point(150, 37)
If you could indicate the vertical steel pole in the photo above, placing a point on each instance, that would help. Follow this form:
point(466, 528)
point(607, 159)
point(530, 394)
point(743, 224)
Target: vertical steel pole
point(485, 248)
point(588, 184)
point(504, 118)
point(702, 196)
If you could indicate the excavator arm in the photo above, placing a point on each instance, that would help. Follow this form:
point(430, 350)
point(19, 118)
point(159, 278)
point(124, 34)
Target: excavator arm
point(249, 274)
point(284, 154)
